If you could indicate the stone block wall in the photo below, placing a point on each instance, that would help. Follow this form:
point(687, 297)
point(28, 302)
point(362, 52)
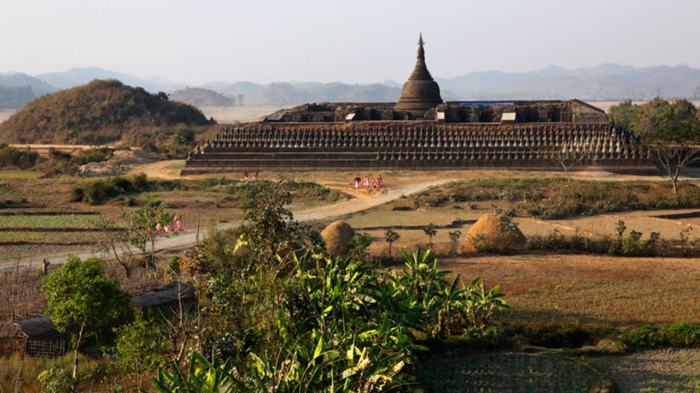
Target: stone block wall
point(425, 145)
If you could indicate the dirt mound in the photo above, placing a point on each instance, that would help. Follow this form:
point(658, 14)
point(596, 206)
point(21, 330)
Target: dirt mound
point(131, 157)
point(493, 232)
point(337, 236)
point(98, 169)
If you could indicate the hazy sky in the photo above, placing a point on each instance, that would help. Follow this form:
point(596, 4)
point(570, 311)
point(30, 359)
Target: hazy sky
point(352, 41)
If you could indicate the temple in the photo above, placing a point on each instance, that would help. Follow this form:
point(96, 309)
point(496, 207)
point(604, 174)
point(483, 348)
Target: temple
point(423, 132)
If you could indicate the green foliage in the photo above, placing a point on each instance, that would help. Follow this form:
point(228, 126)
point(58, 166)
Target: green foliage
point(93, 155)
point(56, 380)
point(99, 112)
point(676, 335)
point(454, 238)
point(269, 220)
point(624, 114)
point(140, 182)
point(98, 192)
point(80, 293)
point(390, 236)
point(139, 346)
point(321, 324)
point(430, 231)
point(143, 226)
point(359, 246)
point(11, 157)
point(203, 377)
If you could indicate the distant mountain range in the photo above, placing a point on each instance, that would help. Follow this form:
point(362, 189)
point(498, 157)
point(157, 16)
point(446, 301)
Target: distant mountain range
point(600, 83)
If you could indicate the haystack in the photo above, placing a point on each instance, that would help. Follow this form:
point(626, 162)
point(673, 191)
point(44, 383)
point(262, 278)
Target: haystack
point(337, 236)
point(493, 232)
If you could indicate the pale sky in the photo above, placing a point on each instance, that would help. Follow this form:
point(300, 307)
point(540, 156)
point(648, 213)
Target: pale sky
point(351, 41)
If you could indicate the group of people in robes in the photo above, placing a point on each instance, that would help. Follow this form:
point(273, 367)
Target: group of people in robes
point(254, 177)
point(369, 183)
point(174, 226)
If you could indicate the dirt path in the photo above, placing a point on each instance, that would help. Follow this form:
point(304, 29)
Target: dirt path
point(159, 170)
point(355, 204)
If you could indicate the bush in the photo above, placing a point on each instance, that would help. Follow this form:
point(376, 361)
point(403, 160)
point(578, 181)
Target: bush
point(99, 191)
point(92, 155)
point(9, 156)
point(140, 182)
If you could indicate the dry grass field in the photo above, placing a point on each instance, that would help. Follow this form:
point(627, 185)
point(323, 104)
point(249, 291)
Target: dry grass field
point(589, 289)
point(234, 114)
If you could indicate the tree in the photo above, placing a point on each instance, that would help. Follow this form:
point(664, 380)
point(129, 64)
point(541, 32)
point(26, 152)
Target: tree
point(566, 156)
point(359, 246)
point(79, 293)
point(430, 231)
point(671, 132)
point(139, 347)
point(270, 221)
point(454, 237)
point(624, 114)
point(145, 224)
point(390, 236)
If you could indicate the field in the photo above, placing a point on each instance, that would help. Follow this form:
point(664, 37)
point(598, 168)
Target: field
point(568, 288)
point(38, 218)
point(505, 372)
point(235, 114)
point(669, 370)
point(589, 289)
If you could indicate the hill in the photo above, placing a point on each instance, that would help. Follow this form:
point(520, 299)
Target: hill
point(233, 89)
point(38, 86)
point(202, 97)
point(603, 82)
point(15, 96)
point(80, 76)
point(284, 93)
point(101, 111)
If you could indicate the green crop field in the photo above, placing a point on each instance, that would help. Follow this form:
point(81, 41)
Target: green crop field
point(69, 221)
point(52, 237)
point(503, 373)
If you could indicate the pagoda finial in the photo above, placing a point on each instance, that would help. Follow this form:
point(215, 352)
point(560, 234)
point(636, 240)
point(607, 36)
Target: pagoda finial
point(421, 51)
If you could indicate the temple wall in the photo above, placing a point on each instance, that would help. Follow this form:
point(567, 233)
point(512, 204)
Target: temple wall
point(419, 145)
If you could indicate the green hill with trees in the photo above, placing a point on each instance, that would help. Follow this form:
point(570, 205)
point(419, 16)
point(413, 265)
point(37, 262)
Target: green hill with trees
point(99, 112)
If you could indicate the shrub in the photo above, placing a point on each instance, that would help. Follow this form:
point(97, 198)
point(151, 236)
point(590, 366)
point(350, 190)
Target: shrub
point(9, 156)
point(92, 155)
point(99, 191)
point(140, 182)
point(675, 335)
point(646, 337)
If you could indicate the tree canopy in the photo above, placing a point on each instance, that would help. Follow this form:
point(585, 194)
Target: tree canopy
point(80, 293)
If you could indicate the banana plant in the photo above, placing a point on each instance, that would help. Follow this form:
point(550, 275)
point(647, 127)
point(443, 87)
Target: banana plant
point(203, 377)
point(481, 304)
point(419, 276)
point(447, 307)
